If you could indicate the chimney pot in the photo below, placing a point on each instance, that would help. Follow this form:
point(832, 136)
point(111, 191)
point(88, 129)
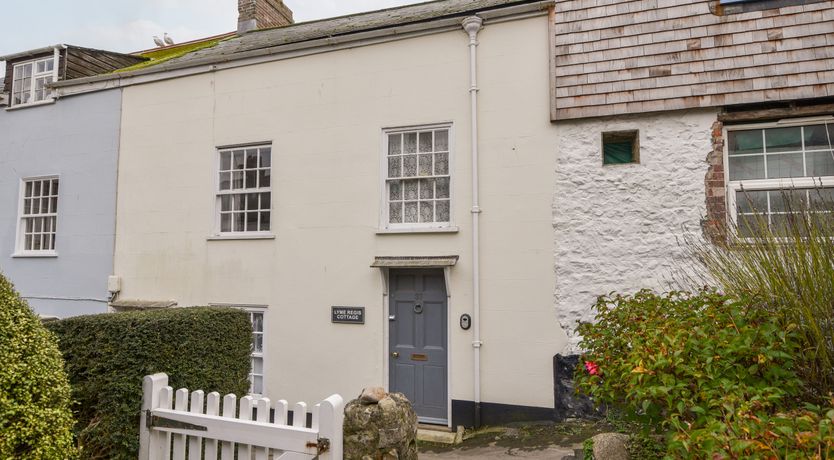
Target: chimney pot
point(262, 14)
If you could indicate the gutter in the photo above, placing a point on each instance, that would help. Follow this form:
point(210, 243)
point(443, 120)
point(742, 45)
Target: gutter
point(289, 51)
point(32, 53)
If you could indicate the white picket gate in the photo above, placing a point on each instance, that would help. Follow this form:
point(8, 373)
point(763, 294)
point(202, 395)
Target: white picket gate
point(192, 424)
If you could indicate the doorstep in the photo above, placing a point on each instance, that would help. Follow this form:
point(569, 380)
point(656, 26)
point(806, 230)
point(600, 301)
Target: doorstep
point(439, 434)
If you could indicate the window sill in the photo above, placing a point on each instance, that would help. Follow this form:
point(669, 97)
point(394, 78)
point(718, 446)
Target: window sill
point(257, 236)
point(396, 231)
point(35, 255)
point(33, 104)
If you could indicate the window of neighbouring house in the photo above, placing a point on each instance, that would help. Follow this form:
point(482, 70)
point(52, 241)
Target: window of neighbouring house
point(244, 190)
point(776, 170)
point(620, 147)
point(256, 372)
point(38, 216)
point(418, 179)
point(30, 80)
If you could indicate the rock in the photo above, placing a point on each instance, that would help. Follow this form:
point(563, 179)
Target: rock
point(610, 446)
point(372, 395)
point(386, 430)
point(569, 404)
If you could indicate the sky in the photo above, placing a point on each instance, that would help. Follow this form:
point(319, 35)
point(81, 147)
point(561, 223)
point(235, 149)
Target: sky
point(129, 25)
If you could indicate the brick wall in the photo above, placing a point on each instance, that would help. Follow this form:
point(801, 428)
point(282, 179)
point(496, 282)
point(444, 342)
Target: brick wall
point(262, 14)
point(715, 222)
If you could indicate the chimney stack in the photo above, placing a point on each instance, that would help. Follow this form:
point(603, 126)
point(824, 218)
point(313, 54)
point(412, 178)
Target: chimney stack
point(262, 14)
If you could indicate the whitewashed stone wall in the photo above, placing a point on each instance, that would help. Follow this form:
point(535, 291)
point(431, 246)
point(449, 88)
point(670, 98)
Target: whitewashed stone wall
point(617, 228)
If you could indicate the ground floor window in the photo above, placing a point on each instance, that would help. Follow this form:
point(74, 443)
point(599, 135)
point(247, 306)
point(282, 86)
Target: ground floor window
point(256, 371)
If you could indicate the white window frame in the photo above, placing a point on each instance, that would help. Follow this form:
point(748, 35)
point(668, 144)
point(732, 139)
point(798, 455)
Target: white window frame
point(35, 77)
point(217, 233)
point(385, 226)
point(249, 309)
point(752, 185)
point(20, 242)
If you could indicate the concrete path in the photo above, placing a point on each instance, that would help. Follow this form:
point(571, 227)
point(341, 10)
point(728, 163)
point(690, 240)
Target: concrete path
point(550, 453)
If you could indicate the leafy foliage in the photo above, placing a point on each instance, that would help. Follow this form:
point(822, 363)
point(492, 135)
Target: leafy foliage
point(790, 266)
point(108, 356)
point(715, 374)
point(35, 417)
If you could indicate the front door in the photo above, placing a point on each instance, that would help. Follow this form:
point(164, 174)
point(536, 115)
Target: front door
point(418, 365)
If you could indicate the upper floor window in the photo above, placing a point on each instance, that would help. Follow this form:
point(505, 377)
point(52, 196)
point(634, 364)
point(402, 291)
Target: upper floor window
point(244, 190)
point(418, 179)
point(38, 216)
point(775, 169)
point(30, 80)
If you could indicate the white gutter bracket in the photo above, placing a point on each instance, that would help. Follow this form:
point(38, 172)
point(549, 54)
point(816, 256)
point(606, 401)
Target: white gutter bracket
point(473, 25)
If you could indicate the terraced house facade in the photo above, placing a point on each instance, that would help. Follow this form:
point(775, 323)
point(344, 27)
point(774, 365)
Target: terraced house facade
point(429, 197)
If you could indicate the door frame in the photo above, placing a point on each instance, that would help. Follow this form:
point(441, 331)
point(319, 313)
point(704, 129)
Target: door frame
point(386, 335)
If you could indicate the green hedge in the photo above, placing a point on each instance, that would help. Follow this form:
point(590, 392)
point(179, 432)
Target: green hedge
point(108, 355)
point(35, 417)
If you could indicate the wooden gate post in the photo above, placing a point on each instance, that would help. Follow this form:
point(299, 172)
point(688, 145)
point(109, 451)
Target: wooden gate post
point(150, 448)
point(331, 417)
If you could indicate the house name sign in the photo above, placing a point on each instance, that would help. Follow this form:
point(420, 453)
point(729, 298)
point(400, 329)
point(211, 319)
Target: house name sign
point(347, 315)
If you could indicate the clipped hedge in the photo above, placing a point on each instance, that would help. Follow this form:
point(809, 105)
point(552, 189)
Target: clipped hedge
point(35, 417)
point(108, 355)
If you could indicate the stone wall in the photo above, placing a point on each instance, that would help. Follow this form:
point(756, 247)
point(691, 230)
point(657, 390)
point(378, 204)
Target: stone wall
point(380, 426)
point(618, 227)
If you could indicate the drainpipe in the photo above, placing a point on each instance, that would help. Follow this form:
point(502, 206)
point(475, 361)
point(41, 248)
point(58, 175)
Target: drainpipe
point(472, 25)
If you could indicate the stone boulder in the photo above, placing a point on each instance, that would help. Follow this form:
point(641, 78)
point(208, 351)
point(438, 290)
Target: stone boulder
point(611, 446)
point(381, 430)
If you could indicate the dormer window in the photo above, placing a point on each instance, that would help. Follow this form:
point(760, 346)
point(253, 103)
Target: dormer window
point(30, 80)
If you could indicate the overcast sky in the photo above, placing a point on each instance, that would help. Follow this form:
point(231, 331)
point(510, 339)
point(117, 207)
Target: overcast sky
point(129, 25)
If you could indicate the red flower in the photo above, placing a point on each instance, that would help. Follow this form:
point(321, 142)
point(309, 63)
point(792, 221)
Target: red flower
point(592, 368)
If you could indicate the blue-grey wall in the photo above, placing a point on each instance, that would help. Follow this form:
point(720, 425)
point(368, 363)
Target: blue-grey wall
point(76, 138)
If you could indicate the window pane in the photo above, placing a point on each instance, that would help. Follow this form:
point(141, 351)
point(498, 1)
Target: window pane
point(237, 202)
point(443, 211)
point(225, 203)
point(410, 165)
point(266, 201)
point(426, 211)
point(239, 221)
point(238, 159)
point(28, 244)
point(252, 202)
point(225, 222)
point(617, 153)
point(265, 222)
point(426, 142)
point(54, 206)
point(822, 199)
point(788, 200)
point(749, 202)
point(747, 167)
point(443, 187)
point(259, 343)
point(816, 138)
point(257, 384)
point(394, 167)
point(252, 159)
point(426, 189)
point(820, 163)
point(410, 189)
point(783, 139)
point(266, 157)
point(441, 164)
point(257, 365)
point(411, 214)
point(27, 206)
point(395, 212)
point(251, 179)
point(395, 191)
point(395, 144)
point(785, 165)
point(740, 142)
point(441, 140)
point(55, 186)
point(410, 141)
point(251, 221)
point(28, 189)
point(425, 166)
point(751, 225)
point(264, 178)
point(225, 161)
point(257, 322)
point(225, 181)
point(237, 180)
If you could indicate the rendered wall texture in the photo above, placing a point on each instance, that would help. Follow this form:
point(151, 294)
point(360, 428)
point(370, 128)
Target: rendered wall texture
point(619, 227)
point(77, 139)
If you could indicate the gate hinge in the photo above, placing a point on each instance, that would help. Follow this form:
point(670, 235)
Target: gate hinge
point(323, 445)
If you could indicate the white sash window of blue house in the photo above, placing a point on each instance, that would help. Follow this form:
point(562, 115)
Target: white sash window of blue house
point(244, 191)
point(30, 80)
point(417, 189)
point(38, 216)
point(775, 169)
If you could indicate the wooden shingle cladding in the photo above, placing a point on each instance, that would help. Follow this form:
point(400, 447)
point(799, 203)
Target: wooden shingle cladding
point(614, 57)
point(76, 62)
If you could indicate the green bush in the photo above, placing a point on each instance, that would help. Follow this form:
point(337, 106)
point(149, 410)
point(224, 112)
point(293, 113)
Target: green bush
point(108, 355)
point(35, 417)
point(715, 375)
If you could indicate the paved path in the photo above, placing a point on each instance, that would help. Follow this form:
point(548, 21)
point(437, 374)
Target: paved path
point(550, 453)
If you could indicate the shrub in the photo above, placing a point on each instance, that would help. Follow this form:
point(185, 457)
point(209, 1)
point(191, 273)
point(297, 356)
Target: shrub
point(790, 266)
point(716, 375)
point(35, 417)
point(108, 355)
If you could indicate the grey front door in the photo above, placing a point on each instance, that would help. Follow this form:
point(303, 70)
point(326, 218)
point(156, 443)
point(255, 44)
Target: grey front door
point(418, 337)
